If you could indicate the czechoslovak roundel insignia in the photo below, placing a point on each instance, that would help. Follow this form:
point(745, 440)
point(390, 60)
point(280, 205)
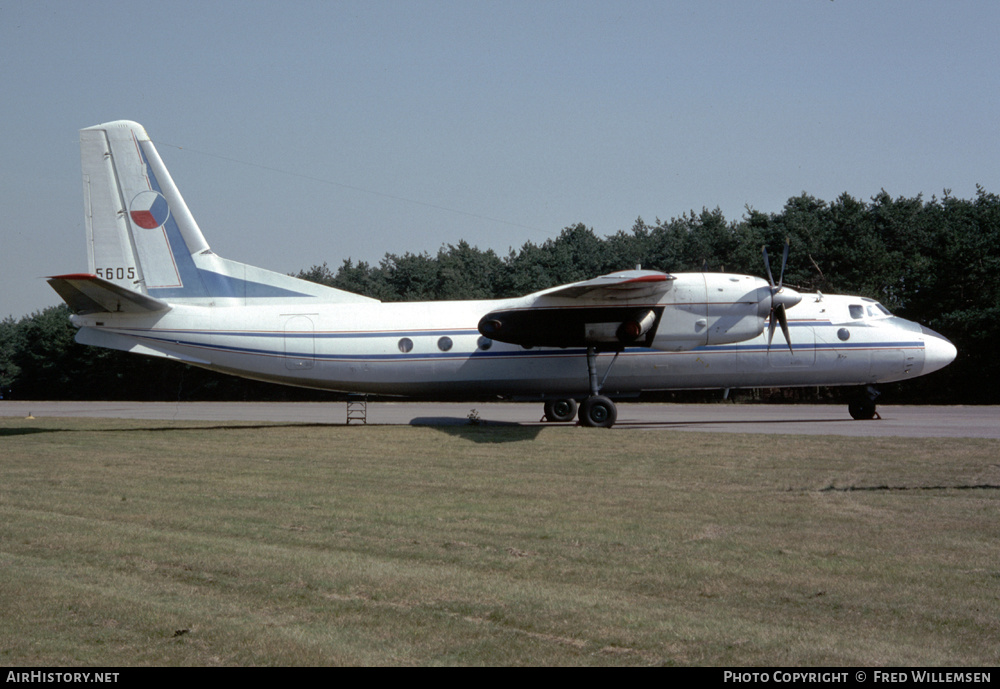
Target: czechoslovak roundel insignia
point(149, 210)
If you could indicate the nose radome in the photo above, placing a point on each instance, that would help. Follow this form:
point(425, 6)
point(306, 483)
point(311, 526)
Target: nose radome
point(938, 351)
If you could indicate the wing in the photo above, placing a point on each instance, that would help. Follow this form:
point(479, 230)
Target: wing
point(601, 312)
point(629, 284)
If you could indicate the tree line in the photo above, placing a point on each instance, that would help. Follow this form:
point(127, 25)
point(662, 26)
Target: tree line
point(933, 261)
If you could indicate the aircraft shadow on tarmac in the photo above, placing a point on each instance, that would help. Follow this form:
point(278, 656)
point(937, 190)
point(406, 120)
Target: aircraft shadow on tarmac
point(479, 431)
point(10, 432)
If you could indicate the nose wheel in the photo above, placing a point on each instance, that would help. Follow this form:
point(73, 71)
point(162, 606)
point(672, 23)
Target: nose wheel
point(862, 407)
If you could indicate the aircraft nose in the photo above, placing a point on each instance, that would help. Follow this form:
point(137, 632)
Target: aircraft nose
point(938, 351)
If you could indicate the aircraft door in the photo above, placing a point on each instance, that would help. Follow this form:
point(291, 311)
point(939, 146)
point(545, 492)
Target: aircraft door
point(300, 343)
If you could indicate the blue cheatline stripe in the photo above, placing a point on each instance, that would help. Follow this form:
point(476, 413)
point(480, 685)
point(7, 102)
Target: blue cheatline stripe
point(349, 334)
point(538, 353)
point(387, 334)
point(817, 346)
point(320, 334)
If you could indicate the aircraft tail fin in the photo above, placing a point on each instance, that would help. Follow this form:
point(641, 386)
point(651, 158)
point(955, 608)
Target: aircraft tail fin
point(142, 238)
point(138, 226)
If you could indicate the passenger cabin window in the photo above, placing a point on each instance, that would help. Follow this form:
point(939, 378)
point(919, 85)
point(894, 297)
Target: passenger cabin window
point(857, 311)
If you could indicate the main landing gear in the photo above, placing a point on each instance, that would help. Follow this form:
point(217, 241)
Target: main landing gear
point(597, 410)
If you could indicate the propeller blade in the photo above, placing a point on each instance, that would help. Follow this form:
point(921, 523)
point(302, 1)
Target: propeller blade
point(783, 322)
point(777, 314)
point(784, 261)
point(767, 267)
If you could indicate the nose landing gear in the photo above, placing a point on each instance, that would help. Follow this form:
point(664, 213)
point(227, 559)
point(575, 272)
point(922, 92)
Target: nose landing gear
point(862, 407)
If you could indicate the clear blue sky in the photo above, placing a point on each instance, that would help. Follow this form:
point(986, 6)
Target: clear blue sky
point(320, 131)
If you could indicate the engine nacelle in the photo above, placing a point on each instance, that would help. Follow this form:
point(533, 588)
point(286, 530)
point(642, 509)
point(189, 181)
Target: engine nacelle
point(712, 308)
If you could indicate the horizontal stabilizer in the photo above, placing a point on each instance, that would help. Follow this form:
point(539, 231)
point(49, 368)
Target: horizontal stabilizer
point(87, 293)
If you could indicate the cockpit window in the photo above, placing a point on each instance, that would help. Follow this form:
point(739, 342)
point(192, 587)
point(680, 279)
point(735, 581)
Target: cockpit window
point(857, 311)
point(884, 310)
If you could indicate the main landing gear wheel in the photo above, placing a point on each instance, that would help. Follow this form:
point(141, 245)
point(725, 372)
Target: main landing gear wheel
point(598, 412)
point(560, 411)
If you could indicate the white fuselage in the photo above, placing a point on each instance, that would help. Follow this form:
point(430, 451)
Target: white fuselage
point(435, 349)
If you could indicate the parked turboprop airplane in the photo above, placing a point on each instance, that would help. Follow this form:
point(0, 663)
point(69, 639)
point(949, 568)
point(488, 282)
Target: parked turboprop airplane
point(156, 288)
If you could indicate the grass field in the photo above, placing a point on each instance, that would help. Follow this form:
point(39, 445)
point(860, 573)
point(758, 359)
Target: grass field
point(173, 543)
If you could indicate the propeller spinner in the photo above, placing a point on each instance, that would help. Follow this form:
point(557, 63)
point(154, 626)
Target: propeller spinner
point(781, 298)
